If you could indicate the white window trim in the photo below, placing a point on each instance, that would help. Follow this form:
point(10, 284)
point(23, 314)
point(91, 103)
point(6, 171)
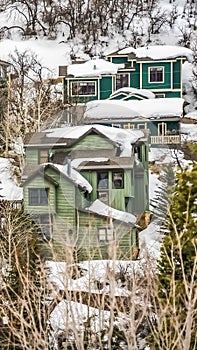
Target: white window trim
point(155, 82)
point(163, 127)
point(83, 81)
point(122, 73)
point(129, 126)
point(144, 124)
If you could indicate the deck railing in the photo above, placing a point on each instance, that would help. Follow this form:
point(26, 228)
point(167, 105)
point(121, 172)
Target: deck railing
point(165, 140)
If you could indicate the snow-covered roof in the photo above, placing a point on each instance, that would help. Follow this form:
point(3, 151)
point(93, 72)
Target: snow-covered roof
point(121, 137)
point(94, 68)
point(74, 176)
point(148, 108)
point(133, 91)
point(8, 189)
point(158, 52)
point(191, 115)
point(101, 208)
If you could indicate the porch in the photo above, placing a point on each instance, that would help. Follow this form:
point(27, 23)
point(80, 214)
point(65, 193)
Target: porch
point(165, 140)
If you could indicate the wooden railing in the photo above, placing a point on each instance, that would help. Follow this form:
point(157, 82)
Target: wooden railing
point(165, 140)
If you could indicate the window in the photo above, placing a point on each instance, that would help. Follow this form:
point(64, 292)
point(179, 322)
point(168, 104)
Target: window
point(129, 126)
point(43, 156)
point(44, 223)
point(83, 88)
point(142, 126)
point(38, 196)
point(102, 180)
point(116, 125)
point(117, 179)
point(159, 95)
point(162, 129)
point(156, 74)
point(106, 235)
point(122, 80)
point(103, 196)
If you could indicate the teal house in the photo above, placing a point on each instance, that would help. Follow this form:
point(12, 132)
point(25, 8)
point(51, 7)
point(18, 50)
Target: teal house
point(157, 69)
point(161, 116)
point(86, 187)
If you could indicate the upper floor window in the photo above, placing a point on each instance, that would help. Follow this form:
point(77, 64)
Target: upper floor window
point(38, 196)
point(102, 180)
point(122, 80)
point(83, 88)
point(43, 156)
point(117, 179)
point(156, 74)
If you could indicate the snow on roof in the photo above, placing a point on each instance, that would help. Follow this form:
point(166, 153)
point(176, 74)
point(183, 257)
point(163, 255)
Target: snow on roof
point(191, 115)
point(132, 91)
point(149, 108)
point(159, 52)
point(124, 138)
point(74, 176)
point(94, 67)
point(76, 162)
point(8, 189)
point(101, 208)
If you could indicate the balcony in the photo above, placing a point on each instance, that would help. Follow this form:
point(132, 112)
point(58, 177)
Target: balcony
point(165, 140)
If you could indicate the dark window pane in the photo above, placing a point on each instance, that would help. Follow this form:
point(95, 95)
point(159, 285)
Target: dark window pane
point(117, 179)
point(83, 88)
point(102, 180)
point(38, 196)
point(156, 74)
point(122, 80)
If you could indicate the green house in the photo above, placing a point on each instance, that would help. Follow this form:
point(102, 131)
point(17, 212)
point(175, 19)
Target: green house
point(87, 187)
point(157, 69)
point(161, 117)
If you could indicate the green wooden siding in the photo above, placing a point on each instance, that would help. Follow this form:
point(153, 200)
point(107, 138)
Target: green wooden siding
point(177, 75)
point(159, 86)
point(93, 142)
point(106, 87)
point(31, 156)
point(40, 182)
point(135, 76)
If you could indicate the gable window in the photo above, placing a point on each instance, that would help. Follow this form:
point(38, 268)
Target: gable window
point(156, 74)
point(83, 88)
point(117, 179)
point(122, 80)
point(106, 235)
point(43, 156)
point(38, 196)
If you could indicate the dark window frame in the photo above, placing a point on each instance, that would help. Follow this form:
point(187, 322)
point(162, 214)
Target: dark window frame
point(117, 183)
point(156, 74)
point(38, 196)
point(122, 80)
point(83, 88)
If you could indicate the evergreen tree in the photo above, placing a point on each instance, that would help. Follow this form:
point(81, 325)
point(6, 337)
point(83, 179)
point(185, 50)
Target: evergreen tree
point(177, 280)
point(163, 194)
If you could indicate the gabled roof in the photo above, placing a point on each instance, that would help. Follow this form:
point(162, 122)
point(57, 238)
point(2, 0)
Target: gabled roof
point(71, 174)
point(70, 135)
point(156, 52)
point(130, 91)
point(100, 208)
